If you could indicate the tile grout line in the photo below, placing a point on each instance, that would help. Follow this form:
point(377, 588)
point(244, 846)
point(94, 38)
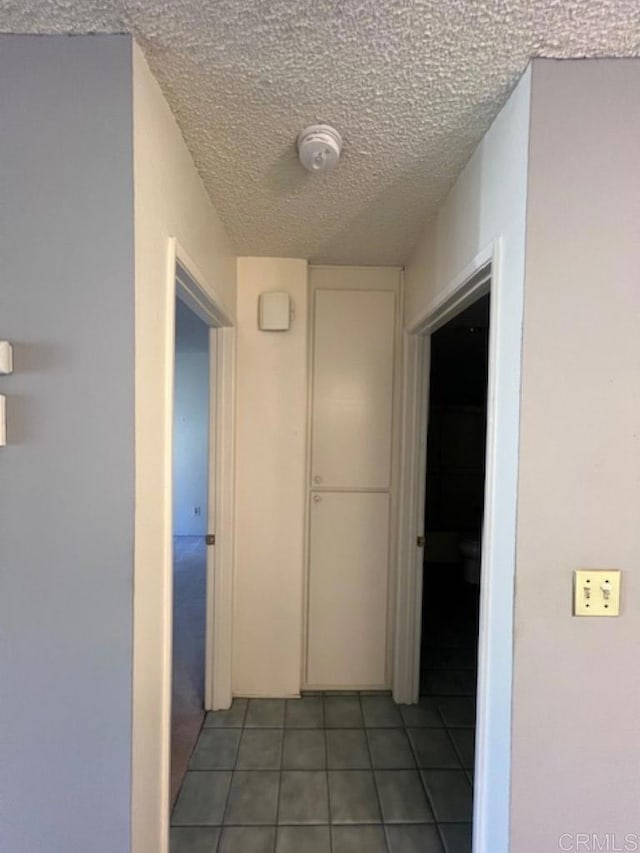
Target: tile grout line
point(233, 772)
point(326, 772)
point(280, 763)
point(373, 775)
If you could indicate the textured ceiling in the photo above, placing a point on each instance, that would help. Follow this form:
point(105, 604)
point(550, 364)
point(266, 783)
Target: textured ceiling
point(412, 85)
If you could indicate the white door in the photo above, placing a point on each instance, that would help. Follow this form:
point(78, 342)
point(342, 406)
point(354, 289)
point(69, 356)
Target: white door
point(352, 388)
point(350, 488)
point(348, 588)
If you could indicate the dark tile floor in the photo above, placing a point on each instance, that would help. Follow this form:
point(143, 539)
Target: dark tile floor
point(344, 773)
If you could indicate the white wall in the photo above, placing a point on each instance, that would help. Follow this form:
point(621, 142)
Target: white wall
point(66, 475)
point(190, 424)
point(169, 200)
point(271, 418)
point(488, 203)
point(576, 744)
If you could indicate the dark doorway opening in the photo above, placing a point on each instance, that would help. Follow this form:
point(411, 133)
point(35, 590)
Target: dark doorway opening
point(454, 508)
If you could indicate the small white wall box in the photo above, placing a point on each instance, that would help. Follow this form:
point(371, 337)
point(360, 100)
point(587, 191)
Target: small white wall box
point(6, 357)
point(274, 312)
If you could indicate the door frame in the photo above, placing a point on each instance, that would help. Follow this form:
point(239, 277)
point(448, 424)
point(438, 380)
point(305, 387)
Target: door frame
point(495, 653)
point(188, 287)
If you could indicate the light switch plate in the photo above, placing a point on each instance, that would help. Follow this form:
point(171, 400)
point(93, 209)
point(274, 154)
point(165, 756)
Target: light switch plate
point(6, 357)
point(596, 592)
point(3, 420)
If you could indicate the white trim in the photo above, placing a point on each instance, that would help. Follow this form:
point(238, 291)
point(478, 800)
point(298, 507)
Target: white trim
point(212, 509)
point(224, 513)
point(190, 289)
point(455, 297)
point(408, 620)
point(463, 290)
point(167, 567)
point(206, 303)
point(495, 658)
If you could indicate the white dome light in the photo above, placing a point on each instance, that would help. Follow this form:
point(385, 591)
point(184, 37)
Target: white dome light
point(319, 148)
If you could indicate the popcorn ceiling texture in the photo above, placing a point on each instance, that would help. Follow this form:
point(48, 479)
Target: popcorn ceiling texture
point(412, 86)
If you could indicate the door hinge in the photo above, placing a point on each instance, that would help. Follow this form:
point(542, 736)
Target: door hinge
point(210, 538)
point(420, 541)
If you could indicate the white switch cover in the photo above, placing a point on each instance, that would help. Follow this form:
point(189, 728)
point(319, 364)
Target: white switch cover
point(596, 592)
point(3, 420)
point(6, 357)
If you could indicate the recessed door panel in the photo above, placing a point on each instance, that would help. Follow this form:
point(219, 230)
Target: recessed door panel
point(348, 578)
point(352, 388)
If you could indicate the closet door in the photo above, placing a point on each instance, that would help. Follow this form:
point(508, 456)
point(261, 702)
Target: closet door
point(352, 388)
point(348, 589)
point(350, 486)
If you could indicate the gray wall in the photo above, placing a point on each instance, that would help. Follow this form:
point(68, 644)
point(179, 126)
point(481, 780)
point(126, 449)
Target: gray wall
point(576, 699)
point(66, 478)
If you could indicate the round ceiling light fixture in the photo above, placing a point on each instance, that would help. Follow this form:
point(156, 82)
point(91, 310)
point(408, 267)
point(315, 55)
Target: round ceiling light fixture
point(319, 148)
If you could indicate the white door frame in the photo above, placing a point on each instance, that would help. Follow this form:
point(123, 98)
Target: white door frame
point(493, 714)
point(188, 285)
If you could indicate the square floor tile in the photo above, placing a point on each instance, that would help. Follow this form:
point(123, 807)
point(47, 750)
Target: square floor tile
point(352, 797)
point(425, 713)
point(416, 838)
point(216, 749)
point(457, 837)
point(201, 799)
point(253, 798)
point(303, 839)
point(247, 839)
point(433, 748)
point(402, 797)
point(304, 749)
point(380, 712)
point(342, 712)
point(303, 797)
point(464, 740)
point(260, 749)
point(347, 750)
point(265, 713)
point(305, 713)
point(457, 711)
point(358, 839)
point(390, 749)
point(193, 839)
point(231, 718)
point(450, 794)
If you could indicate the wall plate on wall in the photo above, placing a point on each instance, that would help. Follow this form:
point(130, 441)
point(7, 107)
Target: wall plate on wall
point(596, 592)
point(6, 357)
point(274, 312)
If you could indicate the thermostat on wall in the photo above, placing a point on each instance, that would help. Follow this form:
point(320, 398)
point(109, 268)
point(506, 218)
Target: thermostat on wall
point(274, 313)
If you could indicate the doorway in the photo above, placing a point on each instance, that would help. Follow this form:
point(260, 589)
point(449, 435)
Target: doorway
point(454, 502)
point(191, 440)
point(453, 519)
